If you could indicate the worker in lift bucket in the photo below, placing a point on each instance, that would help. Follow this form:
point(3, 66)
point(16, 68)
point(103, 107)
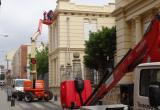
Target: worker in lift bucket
point(44, 15)
point(50, 15)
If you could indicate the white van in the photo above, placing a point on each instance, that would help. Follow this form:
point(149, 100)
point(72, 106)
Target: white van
point(18, 89)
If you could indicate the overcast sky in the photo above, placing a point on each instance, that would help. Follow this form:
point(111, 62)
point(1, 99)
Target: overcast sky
point(19, 19)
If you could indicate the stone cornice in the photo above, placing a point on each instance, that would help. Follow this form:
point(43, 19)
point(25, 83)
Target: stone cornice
point(131, 8)
point(73, 12)
point(77, 7)
point(82, 9)
point(57, 50)
point(118, 11)
point(82, 12)
point(127, 7)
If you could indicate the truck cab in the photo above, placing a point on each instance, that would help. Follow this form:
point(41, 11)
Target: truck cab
point(18, 88)
point(145, 75)
point(18, 84)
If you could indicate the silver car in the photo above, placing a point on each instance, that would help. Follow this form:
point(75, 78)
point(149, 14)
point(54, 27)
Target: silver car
point(2, 82)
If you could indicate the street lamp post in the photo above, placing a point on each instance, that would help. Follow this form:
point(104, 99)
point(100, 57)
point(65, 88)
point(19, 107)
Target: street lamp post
point(4, 35)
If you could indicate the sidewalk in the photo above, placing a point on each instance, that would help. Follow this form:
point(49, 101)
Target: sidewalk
point(56, 102)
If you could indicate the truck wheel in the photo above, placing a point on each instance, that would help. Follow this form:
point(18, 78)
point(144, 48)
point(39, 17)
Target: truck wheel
point(28, 97)
point(48, 95)
point(19, 98)
point(40, 99)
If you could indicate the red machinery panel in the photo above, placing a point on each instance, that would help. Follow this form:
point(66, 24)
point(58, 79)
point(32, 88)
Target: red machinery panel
point(69, 95)
point(27, 85)
point(40, 84)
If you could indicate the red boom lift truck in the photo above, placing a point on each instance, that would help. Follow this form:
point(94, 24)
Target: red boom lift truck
point(35, 89)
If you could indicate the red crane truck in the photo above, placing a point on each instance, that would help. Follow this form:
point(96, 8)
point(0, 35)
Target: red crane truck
point(146, 54)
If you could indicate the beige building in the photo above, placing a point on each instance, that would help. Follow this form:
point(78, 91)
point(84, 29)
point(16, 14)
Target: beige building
point(71, 27)
point(132, 20)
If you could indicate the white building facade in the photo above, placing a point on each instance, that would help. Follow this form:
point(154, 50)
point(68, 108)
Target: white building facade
point(71, 27)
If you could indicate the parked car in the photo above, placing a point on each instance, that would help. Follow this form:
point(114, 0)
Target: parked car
point(2, 82)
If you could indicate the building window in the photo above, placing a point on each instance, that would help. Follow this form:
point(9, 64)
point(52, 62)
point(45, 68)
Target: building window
point(51, 39)
point(55, 36)
point(51, 75)
point(148, 76)
point(55, 71)
point(133, 35)
point(89, 26)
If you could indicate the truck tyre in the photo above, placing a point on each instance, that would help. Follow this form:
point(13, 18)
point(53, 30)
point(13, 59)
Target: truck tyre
point(48, 95)
point(19, 98)
point(40, 99)
point(28, 97)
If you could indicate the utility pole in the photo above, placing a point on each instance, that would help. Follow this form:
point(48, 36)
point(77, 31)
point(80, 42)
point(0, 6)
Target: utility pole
point(7, 62)
point(0, 2)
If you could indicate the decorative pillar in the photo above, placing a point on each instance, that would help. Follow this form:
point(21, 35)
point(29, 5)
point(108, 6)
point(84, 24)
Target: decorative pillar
point(68, 39)
point(62, 72)
point(138, 29)
point(77, 71)
point(68, 71)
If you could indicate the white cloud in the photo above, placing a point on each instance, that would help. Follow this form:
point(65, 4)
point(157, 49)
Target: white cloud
point(93, 2)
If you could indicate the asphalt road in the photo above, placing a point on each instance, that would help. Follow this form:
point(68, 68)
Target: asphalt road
point(21, 105)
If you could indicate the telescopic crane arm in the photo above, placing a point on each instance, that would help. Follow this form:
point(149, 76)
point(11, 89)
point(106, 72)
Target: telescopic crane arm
point(147, 50)
point(47, 21)
point(33, 52)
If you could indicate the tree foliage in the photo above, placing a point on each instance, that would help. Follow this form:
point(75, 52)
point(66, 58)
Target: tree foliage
point(100, 49)
point(42, 61)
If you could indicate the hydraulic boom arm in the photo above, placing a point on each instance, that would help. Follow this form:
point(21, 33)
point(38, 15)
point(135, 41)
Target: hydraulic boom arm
point(33, 52)
point(33, 47)
point(147, 50)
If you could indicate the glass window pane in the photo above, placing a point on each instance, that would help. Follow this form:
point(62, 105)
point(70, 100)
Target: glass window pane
point(89, 26)
point(147, 76)
point(86, 30)
point(19, 83)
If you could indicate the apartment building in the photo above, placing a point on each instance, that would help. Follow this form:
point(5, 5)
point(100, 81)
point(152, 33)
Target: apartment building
point(19, 62)
point(132, 19)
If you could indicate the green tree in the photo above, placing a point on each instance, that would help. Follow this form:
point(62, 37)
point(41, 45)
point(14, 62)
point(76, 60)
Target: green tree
point(100, 49)
point(42, 61)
